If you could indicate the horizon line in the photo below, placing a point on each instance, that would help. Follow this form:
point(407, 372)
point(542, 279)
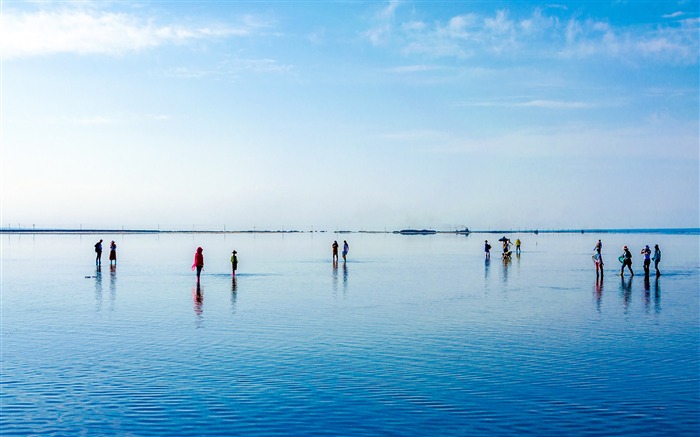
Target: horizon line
point(464, 231)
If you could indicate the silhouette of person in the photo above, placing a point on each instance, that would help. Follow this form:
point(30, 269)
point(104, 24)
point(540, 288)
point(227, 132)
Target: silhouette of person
point(487, 249)
point(234, 262)
point(98, 252)
point(335, 251)
point(626, 258)
point(112, 253)
point(598, 261)
point(657, 259)
point(647, 259)
point(346, 249)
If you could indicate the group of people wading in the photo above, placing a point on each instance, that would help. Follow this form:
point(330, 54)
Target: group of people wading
point(626, 259)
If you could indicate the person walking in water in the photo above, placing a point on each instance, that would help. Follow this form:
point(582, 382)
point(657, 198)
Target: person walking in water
point(657, 259)
point(335, 251)
point(98, 252)
point(598, 261)
point(112, 253)
point(626, 259)
point(517, 246)
point(647, 259)
point(346, 249)
point(198, 262)
point(234, 262)
point(598, 258)
point(487, 249)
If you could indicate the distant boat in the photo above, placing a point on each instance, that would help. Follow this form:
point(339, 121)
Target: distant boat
point(417, 232)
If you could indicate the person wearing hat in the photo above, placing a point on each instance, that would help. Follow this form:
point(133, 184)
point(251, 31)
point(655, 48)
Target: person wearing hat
point(112, 253)
point(626, 259)
point(234, 262)
point(647, 259)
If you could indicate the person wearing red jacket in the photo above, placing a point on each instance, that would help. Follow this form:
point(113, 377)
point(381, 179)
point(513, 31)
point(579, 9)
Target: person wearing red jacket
point(198, 262)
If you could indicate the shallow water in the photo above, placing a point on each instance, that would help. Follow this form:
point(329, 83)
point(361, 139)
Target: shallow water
point(414, 335)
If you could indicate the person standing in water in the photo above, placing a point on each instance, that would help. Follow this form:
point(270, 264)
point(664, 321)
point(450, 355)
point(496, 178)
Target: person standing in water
point(647, 259)
point(517, 246)
point(346, 249)
point(626, 259)
point(487, 249)
point(335, 251)
point(112, 253)
point(234, 262)
point(198, 262)
point(598, 261)
point(98, 252)
point(657, 259)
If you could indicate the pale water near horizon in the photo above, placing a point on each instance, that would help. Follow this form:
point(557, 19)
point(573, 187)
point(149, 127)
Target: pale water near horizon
point(414, 335)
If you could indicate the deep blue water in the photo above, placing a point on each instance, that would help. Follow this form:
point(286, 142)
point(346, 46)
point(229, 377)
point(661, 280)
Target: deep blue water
point(414, 335)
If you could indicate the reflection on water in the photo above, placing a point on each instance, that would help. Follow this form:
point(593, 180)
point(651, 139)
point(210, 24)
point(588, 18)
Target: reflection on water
point(487, 264)
point(345, 279)
point(335, 278)
point(626, 292)
point(598, 292)
point(647, 294)
point(112, 286)
point(198, 301)
point(98, 288)
point(234, 294)
point(507, 350)
point(506, 264)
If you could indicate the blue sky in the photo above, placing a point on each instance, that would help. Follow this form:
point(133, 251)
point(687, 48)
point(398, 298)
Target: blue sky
point(350, 114)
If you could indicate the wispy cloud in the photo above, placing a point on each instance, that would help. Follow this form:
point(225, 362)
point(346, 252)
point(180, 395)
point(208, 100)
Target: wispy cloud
point(232, 68)
point(549, 32)
point(418, 68)
point(88, 31)
point(533, 103)
point(107, 120)
point(673, 15)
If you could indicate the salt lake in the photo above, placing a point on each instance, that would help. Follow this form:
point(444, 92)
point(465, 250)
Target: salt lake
point(413, 335)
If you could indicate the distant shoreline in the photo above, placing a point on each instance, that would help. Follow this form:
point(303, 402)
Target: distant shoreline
point(681, 231)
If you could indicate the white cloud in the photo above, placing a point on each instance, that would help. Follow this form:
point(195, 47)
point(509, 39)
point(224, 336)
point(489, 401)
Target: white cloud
point(85, 32)
point(540, 35)
point(232, 68)
point(673, 15)
point(413, 69)
point(389, 11)
point(500, 24)
point(535, 103)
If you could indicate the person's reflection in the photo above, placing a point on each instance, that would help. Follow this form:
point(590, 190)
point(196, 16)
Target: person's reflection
point(98, 288)
point(626, 292)
point(198, 300)
point(234, 294)
point(598, 292)
point(112, 286)
point(487, 264)
point(345, 279)
point(335, 279)
point(647, 294)
point(657, 296)
point(506, 264)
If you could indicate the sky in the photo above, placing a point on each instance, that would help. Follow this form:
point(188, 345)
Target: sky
point(350, 115)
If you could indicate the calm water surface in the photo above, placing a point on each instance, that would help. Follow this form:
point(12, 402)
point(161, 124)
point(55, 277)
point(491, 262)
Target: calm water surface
point(412, 336)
